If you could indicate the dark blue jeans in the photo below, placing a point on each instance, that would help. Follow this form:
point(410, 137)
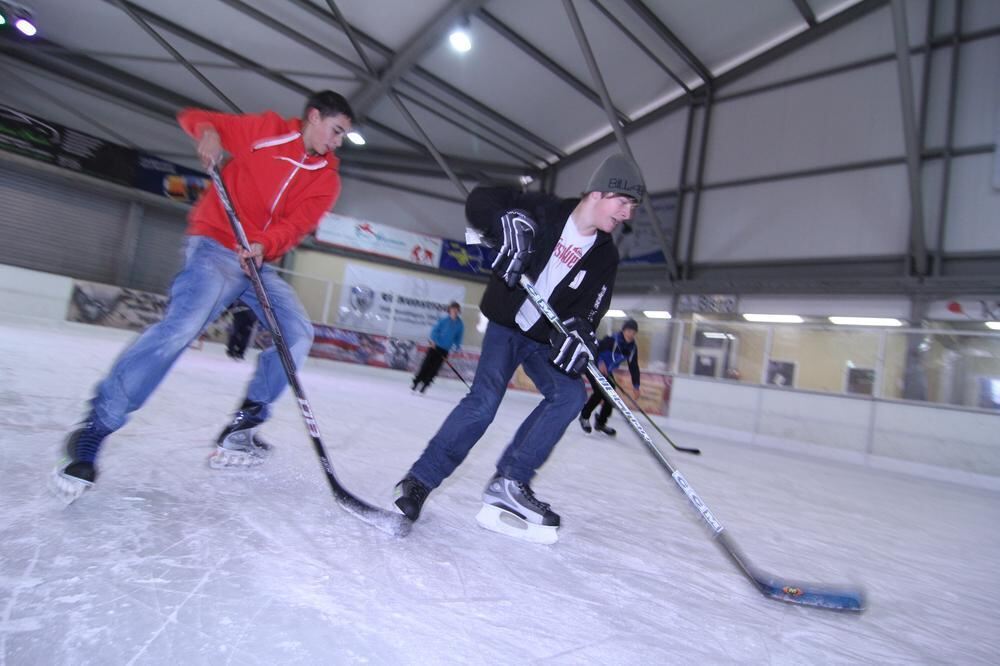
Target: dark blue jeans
point(503, 350)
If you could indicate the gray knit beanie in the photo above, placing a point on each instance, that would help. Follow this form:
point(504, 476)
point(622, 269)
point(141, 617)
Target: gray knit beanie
point(617, 174)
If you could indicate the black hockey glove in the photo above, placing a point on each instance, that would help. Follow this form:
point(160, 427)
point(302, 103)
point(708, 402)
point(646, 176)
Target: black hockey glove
point(570, 353)
point(518, 238)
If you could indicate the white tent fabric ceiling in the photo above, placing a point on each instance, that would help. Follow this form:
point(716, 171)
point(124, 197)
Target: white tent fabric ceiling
point(500, 105)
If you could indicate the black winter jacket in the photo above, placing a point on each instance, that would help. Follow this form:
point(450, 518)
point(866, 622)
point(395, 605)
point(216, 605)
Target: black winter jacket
point(589, 300)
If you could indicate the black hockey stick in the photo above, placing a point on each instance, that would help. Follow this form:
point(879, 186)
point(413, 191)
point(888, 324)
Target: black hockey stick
point(457, 373)
point(387, 521)
point(684, 449)
point(808, 594)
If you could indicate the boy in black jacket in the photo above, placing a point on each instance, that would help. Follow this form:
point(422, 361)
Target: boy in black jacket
point(564, 246)
point(612, 352)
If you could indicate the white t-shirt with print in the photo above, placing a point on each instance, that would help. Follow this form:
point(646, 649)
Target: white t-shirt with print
point(570, 249)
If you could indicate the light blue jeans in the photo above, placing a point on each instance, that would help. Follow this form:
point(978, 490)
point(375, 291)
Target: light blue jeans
point(209, 282)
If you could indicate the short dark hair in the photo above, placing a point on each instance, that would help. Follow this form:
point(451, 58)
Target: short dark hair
point(454, 304)
point(328, 103)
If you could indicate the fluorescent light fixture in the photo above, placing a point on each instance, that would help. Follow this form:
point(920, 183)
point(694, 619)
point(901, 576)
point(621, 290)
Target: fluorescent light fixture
point(616, 313)
point(773, 318)
point(865, 321)
point(715, 335)
point(356, 138)
point(3, 19)
point(526, 180)
point(993, 325)
point(656, 314)
point(26, 26)
point(460, 41)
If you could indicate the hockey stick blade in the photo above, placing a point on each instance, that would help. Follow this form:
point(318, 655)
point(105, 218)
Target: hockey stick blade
point(815, 596)
point(794, 592)
point(387, 521)
point(683, 449)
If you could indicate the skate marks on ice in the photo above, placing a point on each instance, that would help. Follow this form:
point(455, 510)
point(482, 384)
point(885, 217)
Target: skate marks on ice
point(286, 577)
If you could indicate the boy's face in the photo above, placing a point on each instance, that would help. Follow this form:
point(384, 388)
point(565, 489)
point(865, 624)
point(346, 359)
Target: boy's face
point(453, 313)
point(324, 135)
point(629, 335)
point(612, 210)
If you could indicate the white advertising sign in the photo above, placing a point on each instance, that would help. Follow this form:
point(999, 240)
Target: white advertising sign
point(378, 239)
point(388, 303)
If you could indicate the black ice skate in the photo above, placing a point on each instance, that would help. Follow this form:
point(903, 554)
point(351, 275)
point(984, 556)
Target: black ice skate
point(410, 495)
point(510, 507)
point(238, 446)
point(585, 424)
point(605, 428)
point(74, 475)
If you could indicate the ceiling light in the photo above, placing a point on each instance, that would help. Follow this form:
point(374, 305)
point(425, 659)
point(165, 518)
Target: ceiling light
point(714, 335)
point(3, 19)
point(656, 314)
point(616, 313)
point(774, 318)
point(356, 138)
point(993, 325)
point(26, 26)
point(526, 180)
point(865, 321)
point(460, 41)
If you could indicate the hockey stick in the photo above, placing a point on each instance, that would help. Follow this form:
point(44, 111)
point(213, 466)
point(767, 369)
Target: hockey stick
point(807, 594)
point(457, 373)
point(635, 402)
point(387, 521)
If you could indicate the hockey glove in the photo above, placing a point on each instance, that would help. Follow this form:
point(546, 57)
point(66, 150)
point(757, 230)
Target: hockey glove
point(518, 238)
point(570, 353)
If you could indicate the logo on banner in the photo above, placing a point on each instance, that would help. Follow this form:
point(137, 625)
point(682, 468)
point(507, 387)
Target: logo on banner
point(422, 255)
point(362, 299)
point(365, 232)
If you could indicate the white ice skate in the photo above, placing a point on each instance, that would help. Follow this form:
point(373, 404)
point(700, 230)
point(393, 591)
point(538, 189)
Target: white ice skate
point(238, 446)
point(511, 508)
point(66, 487)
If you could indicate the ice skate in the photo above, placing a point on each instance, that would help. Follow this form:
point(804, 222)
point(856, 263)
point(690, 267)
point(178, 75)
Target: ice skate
point(605, 428)
point(410, 495)
point(511, 508)
point(239, 446)
point(585, 424)
point(73, 476)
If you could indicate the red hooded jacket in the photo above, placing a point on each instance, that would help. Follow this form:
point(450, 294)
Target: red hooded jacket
point(279, 192)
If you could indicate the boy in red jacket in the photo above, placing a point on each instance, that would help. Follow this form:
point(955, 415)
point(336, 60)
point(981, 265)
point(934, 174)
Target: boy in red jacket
point(282, 177)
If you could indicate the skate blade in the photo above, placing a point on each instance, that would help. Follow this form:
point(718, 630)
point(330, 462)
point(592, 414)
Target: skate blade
point(228, 459)
point(504, 522)
point(67, 489)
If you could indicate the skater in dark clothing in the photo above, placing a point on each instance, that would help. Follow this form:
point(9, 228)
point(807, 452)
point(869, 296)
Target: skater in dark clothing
point(241, 331)
point(565, 247)
point(446, 336)
point(612, 352)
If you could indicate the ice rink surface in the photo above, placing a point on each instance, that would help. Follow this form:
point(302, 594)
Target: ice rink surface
point(169, 562)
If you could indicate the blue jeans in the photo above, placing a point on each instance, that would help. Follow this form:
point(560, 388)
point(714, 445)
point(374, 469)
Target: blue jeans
point(503, 350)
point(210, 280)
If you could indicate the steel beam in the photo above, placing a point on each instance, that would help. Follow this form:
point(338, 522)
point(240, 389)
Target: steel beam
point(918, 247)
point(548, 63)
point(786, 48)
point(682, 180)
point(698, 184)
point(806, 11)
point(414, 125)
point(425, 38)
point(595, 72)
point(661, 29)
point(640, 44)
point(158, 38)
point(478, 106)
point(956, 50)
point(351, 173)
point(268, 20)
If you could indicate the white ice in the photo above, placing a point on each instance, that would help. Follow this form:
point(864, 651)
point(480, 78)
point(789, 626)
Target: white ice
point(167, 561)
